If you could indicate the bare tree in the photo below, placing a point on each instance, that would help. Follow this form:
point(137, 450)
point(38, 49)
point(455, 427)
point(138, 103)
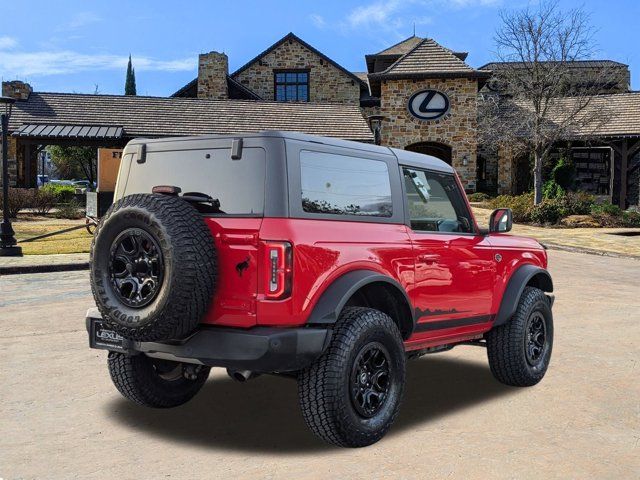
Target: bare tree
point(538, 96)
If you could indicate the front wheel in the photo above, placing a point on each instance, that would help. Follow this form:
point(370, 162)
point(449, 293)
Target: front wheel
point(520, 350)
point(155, 383)
point(351, 395)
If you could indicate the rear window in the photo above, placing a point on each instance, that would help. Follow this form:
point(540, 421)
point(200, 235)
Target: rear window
point(344, 185)
point(237, 184)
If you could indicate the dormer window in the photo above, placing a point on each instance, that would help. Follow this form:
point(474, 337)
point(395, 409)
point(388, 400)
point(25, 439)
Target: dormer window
point(292, 86)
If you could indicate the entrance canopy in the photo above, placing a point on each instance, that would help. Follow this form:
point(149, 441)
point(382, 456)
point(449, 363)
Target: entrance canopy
point(53, 132)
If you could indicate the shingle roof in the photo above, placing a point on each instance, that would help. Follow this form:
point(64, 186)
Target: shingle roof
point(402, 47)
point(621, 112)
point(574, 64)
point(161, 116)
point(428, 58)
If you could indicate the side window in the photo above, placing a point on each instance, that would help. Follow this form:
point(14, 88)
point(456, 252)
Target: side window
point(435, 202)
point(343, 185)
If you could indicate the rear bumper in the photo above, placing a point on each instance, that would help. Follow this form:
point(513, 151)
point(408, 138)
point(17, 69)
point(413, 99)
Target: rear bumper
point(260, 349)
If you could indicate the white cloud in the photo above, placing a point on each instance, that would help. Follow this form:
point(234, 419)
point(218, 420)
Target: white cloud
point(7, 43)
point(317, 20)
point(22, 64)
point(379, 12)
point(392, 15)
point(82, 19)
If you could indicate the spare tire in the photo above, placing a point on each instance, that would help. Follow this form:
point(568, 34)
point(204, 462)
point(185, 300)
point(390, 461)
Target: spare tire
point(153, 267)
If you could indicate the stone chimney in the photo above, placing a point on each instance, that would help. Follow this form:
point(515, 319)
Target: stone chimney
point(16, 89)
point(213, 68)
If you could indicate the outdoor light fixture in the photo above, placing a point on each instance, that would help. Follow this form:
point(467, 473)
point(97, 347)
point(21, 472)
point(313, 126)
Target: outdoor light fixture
point(465, 160)
point(375, 122)
point(8, 242)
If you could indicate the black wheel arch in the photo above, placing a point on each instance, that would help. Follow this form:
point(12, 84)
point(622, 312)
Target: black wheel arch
point(358, 286)
point(527, 275)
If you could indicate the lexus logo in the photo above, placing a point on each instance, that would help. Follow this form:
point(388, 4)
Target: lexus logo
point(428, 104)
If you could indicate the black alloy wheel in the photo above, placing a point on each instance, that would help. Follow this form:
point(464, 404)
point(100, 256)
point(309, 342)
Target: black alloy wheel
point(370, 379)
point(536, 338)
point(136, 267)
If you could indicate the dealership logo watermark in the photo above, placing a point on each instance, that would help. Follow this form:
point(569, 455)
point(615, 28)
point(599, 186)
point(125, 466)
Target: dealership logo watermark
point(428, 104)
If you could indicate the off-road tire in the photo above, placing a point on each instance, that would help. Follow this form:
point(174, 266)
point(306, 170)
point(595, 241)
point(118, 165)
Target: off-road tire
point(189, 267)
point(136, 378)
point(324, 387)
point(506, 344)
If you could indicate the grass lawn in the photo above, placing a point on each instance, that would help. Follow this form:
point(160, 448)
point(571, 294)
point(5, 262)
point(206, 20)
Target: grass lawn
point(27, 226)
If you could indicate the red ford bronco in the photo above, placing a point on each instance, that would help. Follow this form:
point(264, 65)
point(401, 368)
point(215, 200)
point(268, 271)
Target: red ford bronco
point(325, 260)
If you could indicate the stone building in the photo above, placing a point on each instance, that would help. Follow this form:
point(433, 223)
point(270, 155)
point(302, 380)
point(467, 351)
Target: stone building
point(416, 95)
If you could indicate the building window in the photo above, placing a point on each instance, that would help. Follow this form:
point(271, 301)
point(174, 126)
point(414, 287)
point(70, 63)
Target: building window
point(292, 86)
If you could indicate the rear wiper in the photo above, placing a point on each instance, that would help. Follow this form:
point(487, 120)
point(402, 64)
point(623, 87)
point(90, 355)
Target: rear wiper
point(206, 203)
point(213, 204)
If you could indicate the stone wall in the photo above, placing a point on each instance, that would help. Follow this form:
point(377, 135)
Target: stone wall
point(326, 82)
point(457, 129)
point(213, 68)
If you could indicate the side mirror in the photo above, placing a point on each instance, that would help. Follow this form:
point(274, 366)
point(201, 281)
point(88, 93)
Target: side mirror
point(501, 220)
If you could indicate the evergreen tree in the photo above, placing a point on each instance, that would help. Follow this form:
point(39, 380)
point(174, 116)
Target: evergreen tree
point(130, 83)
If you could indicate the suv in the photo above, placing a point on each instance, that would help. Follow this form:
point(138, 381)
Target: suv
point(328, 261)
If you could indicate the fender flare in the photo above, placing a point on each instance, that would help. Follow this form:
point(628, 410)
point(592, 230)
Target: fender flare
point(522, 277)
point(328, 308)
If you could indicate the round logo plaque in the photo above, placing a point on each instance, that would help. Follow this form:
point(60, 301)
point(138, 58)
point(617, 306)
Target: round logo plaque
point(428, 105)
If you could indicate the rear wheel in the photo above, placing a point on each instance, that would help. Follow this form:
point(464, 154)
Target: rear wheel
point(520, 350)
point(351, 395)
point(155, 383)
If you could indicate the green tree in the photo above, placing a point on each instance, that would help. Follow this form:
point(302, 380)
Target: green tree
point(130, 82)
point(75, 162)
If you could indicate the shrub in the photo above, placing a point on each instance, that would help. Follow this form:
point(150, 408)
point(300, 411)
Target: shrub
point(19, 199)
point(606, 209)
point(478, 197)
point(578, 203)
point(631, 218)
point(69, 210)
point(549, 211)
point(551, 189)
point(563, 174)
point(43, 201)
point(520, 205)
point(63, 193)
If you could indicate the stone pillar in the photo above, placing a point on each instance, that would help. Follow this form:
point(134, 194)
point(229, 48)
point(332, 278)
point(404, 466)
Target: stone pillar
point(505, 171)
point(20, 91)
point(213, 68)
point(16, 89)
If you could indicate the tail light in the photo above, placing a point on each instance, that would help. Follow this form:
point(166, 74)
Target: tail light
point(279, 270)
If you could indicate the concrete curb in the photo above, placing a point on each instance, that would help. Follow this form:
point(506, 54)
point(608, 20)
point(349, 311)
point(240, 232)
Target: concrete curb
point(60, 267)
point(590, 251)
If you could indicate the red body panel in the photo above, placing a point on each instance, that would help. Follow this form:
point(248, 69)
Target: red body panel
point(448, 276)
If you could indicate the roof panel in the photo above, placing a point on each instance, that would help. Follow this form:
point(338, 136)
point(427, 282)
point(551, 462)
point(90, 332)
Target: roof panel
point(65, 131)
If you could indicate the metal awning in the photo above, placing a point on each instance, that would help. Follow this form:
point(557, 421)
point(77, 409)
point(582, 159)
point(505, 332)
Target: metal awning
point(89, 132)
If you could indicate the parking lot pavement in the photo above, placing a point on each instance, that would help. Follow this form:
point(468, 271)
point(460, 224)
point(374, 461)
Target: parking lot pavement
point(60, 416)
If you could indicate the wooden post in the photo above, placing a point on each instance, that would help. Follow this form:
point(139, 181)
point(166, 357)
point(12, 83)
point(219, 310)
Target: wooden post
point(623, 174)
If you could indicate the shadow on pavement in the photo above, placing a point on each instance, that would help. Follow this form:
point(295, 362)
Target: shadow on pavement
point(263, 415)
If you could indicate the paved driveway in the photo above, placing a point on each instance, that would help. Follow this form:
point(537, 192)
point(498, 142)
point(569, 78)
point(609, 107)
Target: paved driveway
point(60, 417)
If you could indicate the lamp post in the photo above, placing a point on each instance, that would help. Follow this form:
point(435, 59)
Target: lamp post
point(8, 247)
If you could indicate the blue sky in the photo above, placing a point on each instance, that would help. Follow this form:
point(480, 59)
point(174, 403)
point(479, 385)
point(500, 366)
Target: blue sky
point(72, 46)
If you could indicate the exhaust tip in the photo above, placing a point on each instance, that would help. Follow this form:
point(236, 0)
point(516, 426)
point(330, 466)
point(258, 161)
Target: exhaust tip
point(241, 375)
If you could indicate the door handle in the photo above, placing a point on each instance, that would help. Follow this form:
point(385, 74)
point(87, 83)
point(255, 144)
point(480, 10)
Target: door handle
point(428, 257)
